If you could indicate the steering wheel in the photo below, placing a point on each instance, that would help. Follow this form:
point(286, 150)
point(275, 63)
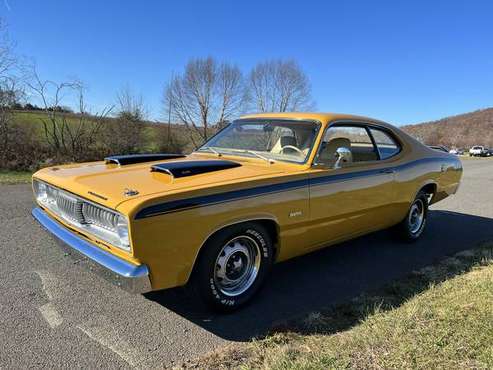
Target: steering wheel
point(292, 147)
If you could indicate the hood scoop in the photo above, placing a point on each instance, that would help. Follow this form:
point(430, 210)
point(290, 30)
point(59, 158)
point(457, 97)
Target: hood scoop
point(191, 168)
point(123, 160)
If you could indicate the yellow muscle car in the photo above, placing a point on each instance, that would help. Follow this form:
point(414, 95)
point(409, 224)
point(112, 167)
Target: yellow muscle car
point(266, 188)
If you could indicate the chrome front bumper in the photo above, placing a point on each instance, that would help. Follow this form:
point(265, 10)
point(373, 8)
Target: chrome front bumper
point(132, 278)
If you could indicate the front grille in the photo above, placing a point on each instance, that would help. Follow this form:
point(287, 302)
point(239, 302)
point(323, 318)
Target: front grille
point(98, 216)
point(69, 207)
point(77, 210)
point(89, 217)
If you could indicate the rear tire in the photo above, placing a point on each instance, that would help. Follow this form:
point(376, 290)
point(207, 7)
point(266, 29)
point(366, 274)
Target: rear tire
point(413, 225)
point(233, 266)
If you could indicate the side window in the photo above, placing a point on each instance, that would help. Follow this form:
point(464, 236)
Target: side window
point(387, 147)
point(353, 138)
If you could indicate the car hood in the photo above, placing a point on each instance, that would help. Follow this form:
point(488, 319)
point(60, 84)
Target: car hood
point(111, 184)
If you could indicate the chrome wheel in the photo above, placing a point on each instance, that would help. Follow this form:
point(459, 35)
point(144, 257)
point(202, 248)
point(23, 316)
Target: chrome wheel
point(237, 266)
point(416, 216)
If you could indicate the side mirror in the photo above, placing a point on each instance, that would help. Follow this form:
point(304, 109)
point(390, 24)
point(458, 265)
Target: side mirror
point(343, 156)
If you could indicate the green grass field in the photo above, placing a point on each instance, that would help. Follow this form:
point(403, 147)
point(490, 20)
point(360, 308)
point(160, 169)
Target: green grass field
point(439, 317)
point(151, 133)
point(14, 177)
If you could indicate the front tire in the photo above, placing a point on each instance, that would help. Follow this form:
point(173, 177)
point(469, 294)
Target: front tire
point(233, 266)
point(413, 225)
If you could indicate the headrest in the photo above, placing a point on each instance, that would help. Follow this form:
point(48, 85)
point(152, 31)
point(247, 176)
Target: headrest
point(288, 140)
point(339, 142)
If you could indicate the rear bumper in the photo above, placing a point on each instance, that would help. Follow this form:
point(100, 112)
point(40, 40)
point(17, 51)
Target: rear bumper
point(132, 278)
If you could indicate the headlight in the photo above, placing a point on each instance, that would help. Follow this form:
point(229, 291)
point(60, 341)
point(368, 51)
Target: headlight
point(40, 190)
point(122, 231)
point(45, 194)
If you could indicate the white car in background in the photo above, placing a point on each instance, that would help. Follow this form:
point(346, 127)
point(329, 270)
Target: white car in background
point(456, 151)
point(479, 151)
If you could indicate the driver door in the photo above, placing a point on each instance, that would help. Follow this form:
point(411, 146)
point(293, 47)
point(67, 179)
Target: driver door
point(355, 198)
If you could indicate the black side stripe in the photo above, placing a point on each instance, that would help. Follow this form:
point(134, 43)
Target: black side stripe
point(344, 176)
point(182, 204)
point(206, 200)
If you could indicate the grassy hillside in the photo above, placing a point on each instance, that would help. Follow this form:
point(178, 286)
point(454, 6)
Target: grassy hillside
point(463, 131)
point(439, 317)
point(76, 138)
point(152, 134)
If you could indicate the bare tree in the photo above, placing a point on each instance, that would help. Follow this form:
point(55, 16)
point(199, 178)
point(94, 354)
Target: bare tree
point(206, 94)
point(124, 133)
point(130, 104)
point(10, 93)
point(168, 110)
point(279, 86)
point(231, 92)
point(8, 60)
point(6, 119)
point(68, 136)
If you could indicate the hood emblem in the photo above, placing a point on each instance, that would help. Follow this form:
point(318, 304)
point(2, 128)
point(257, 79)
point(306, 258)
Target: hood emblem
point(130, 192)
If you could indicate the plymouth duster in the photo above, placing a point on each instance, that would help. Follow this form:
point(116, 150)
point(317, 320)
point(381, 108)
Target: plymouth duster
point(266, 188)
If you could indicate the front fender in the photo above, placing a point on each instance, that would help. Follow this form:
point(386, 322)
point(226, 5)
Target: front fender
point(170, 243)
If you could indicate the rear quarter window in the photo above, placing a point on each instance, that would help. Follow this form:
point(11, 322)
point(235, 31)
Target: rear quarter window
point(386, 145)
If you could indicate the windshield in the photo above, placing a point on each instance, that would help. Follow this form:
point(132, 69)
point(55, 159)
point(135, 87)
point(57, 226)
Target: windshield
point(270, 140)
point(477, 148)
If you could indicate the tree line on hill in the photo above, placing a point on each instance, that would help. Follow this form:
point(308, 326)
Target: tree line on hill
point(201, 99)
point(460, 131)
point(34, 107)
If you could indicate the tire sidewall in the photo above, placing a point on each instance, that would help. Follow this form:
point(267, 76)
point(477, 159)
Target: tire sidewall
point(204, 275)
point(424, 199)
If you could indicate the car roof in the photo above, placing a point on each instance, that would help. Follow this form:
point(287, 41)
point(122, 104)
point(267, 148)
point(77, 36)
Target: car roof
point(323, 117)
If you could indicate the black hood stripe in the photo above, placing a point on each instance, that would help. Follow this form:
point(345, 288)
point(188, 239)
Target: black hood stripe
point(190, 168)
point(123, 160)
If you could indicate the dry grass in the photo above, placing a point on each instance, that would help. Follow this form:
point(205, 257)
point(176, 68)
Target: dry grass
point(468, 158)
point(438, 317)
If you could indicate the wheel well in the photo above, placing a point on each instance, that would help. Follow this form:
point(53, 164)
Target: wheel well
point(271, 227)
point(430, 190)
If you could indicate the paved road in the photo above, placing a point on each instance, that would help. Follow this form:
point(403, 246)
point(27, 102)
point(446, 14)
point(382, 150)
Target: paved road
point(55, 313)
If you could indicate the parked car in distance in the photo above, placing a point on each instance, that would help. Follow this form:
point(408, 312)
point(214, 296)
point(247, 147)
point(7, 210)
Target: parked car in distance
point(267, 188)
point(440, 148)
point(479, 151)
point(456, 151)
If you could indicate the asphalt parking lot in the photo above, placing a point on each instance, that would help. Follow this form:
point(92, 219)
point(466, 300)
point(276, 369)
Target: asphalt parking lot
point(56, 313)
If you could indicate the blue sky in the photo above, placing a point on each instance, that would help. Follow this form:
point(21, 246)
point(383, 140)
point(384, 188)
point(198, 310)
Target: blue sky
point(401, 61)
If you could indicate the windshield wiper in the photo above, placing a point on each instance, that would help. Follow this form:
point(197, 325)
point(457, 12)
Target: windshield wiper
point(270, 160)
point(212, 150)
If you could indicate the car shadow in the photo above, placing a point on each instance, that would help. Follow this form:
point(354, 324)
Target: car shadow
point(334, 275)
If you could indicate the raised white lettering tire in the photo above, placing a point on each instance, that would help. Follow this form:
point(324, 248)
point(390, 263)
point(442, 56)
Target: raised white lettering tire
point(232, 266)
